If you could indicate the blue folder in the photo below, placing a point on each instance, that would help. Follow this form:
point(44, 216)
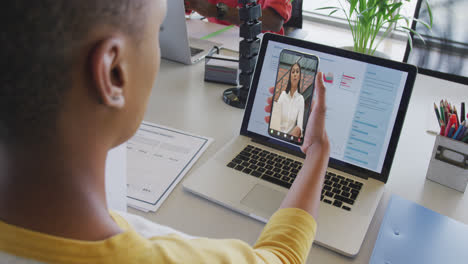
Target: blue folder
point(413, 234)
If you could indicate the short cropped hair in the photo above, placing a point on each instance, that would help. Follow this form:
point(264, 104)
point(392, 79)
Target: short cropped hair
point(39, 43)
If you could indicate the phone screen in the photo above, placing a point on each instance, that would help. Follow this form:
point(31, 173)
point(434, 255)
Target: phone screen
point(293, 93)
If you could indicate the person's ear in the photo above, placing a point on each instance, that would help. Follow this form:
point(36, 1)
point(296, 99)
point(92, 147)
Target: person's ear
point(108, 72)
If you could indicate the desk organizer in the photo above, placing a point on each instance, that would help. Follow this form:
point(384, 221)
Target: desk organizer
point(449, 163)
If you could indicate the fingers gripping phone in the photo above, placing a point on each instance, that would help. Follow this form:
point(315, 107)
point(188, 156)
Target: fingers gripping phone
point(292, 99)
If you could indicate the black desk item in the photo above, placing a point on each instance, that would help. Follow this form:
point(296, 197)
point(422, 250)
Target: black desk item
point(251, 27)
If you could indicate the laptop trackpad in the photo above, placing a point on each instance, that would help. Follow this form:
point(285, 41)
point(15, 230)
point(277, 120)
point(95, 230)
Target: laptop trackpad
point(263, 200)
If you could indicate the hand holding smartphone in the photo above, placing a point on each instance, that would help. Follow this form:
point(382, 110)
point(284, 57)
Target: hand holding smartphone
point(293, 93)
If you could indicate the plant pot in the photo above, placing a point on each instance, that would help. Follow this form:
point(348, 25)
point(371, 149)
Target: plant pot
point(376, 53)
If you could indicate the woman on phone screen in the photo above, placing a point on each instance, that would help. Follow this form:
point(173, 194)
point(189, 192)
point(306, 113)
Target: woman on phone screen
point(292, 104)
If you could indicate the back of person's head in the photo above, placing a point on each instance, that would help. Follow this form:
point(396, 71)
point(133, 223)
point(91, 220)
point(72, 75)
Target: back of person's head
point(41, 42)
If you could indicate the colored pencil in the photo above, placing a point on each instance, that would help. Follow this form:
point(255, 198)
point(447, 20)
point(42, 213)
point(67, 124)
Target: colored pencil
point(465, 133)
point(452, 129)
point(462, 132)
point(454, 120)
point(466, 130)
point(447, 112)
point(442, 113)
point(462, 112)
point(442, 129)
point(456, 114)
point(449, 125)
point(437, 114)
point(459, 130)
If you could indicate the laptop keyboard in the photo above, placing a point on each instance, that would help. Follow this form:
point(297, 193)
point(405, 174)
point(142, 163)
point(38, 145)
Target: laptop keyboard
point(337, 190)
point(266, 165)
point(194, 51)
point(340, 191)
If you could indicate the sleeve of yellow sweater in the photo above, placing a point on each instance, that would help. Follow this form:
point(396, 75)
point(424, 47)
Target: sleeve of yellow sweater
point(286, 238)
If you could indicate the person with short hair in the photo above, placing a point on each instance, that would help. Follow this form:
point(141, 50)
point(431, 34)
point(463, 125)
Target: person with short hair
point(75, 80)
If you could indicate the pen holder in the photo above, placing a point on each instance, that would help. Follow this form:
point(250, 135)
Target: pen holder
point(449, 163)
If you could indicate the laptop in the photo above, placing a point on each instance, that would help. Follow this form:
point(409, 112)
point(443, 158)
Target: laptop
point(174, 42)
point(367, 98)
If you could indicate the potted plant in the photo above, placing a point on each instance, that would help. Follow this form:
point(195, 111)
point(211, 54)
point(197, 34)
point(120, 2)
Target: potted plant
point(366, 18)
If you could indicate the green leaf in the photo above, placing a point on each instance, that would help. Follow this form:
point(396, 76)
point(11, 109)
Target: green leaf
point(393, 8)
point(416, 33)
point(407, 19)
point(410, 41)
point(327, 7)
point(424, 23)
point(429, 10)
point(353, 4)
point(362, 5)
point(333, 12)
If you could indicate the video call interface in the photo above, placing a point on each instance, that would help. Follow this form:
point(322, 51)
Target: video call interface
point(362, 105)
point(292, 96)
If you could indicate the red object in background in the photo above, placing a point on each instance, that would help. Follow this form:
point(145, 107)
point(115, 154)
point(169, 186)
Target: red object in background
point(452, 121)
point(442, 130)
point(282, 7)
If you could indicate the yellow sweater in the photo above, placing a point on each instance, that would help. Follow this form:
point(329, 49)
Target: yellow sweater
point(286, 238)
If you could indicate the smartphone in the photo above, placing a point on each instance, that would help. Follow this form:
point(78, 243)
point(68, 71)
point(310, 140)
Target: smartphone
point(292, 97)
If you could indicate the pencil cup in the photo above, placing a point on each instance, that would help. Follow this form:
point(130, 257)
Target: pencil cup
point(449, 163)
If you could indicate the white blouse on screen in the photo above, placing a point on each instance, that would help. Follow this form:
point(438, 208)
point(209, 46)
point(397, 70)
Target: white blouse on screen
point(292, 111)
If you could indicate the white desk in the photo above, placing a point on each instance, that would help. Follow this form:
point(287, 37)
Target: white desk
point(181, 99)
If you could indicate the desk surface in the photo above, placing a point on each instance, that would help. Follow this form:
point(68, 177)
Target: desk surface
point(181, 99)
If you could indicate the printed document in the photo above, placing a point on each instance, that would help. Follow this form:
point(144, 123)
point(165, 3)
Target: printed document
point(158, 158)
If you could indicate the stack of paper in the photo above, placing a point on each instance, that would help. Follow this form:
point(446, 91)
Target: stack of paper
point(158, 158)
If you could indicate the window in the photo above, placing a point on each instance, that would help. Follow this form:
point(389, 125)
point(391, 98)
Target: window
point(310, 9)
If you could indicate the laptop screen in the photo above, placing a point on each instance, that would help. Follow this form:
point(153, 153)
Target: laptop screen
point(363, 101)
